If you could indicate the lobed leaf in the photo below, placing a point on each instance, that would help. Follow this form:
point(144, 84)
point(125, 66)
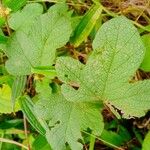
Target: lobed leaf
point(118, 52)
point(37, 46)
point(23, 19)
point(67, 119)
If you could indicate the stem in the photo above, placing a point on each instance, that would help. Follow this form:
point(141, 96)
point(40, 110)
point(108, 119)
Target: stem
point(134, 22)
point(7, 26)
point(105, 142)
point(108, 12)
point(13, 142)
point(25, 131)
point(1, 143)
point(140, 26)
point(92, 143)
point(44, 6)
point(55, 1)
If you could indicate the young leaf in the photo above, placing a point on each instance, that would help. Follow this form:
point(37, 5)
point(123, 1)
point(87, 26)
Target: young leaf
point(37, 47)
point(118, 52)
point(21, 20)
point(86, 25)
point(67, 119)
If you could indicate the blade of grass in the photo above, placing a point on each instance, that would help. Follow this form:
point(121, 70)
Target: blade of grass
point(86, 25)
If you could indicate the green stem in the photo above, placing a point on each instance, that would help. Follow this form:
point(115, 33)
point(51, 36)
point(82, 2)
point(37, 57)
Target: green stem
point(109, 12)
point(13, 142)
point(140, 26)
point(134, 22)
point(55, 1)
point(92, 143)
point(2, 135)
point(105, 142)
point(44, 6)
point(47, 71)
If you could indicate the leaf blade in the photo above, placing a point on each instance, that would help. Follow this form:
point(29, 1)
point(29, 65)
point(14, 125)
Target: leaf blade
point(27, 108)
point(86, 25)
point(49, 32)
point(17, 89)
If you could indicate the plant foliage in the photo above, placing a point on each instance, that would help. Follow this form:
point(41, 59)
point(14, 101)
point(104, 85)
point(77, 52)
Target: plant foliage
point(63, 89)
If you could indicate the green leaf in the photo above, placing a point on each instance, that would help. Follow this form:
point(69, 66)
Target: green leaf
point(138, 135)
point(86, 25)
point(92, 143)
point(3, 39)
point(144, 28)
point(40, 143)
point(2, 21)
point(17, 88)
point(21, 20)
point(10, 124)
point(146, 61)
point(7, 79)
point(118, 52)
point(96, 1)
point(37, 47)
point(146, 142)
point(5, 100)
point(68, 119)
point(3, 42)
point(14, 4)
point(112, 137)
point(27, 108)
point(59, 8)
point(49, 72)
point(71, 67)
point(42, 86)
